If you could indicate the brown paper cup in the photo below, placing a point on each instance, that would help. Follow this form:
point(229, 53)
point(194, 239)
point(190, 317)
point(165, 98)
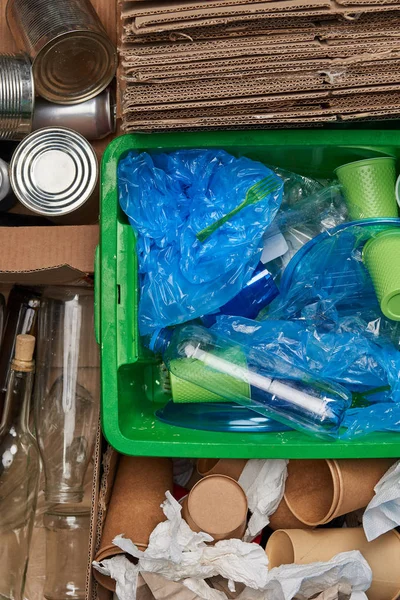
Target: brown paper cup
point(312, 490)
point(134, 509)
point(224, 466)
point(194, 478)
point(357, 479)
point(216, 505)
point(283, 518)
point(304, 547)
point(107, 582)
point(318, 491)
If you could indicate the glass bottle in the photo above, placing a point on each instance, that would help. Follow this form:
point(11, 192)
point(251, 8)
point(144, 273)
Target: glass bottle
point(66, 390)
point(67, 552)
point(21, 318)
point(19, 473)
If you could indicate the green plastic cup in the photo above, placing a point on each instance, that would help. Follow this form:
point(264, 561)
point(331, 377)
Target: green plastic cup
point(381, 256)
point(184, 391)
point(369, 187)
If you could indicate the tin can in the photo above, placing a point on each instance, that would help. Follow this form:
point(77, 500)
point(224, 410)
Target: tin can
point(53, 171)
point(7, 198)
point(5, 187)
point(73, 59)
point(94, 119)
point(16, 96)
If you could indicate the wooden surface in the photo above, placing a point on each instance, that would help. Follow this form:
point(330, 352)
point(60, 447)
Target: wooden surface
point(106, 9)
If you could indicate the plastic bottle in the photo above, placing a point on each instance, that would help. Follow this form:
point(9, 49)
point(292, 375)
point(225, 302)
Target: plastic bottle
point(240, 374)
point(255, 295)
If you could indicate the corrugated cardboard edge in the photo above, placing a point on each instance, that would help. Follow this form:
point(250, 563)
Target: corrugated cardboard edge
point(346, 12)
point(160, 8)
point(43, 255)
point(106, 469)
point(93, 512)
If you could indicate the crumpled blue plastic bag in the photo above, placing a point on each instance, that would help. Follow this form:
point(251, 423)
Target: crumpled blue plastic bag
point(348, 355)
point(384, 416)
point(169, 198)
point(327, 321)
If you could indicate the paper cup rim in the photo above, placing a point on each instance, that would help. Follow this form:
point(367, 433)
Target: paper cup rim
point(206, 473)
point(365, 161)
point(334, 503)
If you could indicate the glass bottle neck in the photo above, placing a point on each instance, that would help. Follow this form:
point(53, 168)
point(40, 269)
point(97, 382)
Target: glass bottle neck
point(18, 400)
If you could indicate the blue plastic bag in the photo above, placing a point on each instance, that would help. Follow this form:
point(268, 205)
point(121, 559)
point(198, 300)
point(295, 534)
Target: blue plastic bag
point(348, 355)
point(169, 198)
point(327, 321)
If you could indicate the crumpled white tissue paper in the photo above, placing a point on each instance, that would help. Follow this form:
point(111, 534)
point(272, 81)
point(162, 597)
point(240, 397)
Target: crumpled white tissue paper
point(303, 581)
point(283, 583)
point(179, 554)
point(383, 512)
point(264, 484)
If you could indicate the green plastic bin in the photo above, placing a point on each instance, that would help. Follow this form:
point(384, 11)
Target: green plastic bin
point(132, 381)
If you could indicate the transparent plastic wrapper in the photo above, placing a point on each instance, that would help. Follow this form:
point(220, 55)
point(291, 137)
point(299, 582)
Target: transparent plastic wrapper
point(296, 187)
point(333, 325)
point(170, 199)
point(348, 354)
point(260, 381)
point(304, 220)
point(307, 209)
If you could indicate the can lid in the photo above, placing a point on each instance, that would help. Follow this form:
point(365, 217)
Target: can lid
point(75, 66)
point(53, 171)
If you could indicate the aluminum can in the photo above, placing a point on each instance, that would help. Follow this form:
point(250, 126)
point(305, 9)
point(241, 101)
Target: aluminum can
point(94, 119)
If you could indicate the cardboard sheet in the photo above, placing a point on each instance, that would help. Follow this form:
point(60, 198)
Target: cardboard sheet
point(43, 255)
point(259, 64)
point(349, 12)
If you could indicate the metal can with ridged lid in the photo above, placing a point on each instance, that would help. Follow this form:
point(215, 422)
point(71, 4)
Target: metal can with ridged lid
point(73, 58)
point(16, 96)
point(53, 171)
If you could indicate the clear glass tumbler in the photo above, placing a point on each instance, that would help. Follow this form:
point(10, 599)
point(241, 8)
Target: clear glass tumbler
point(67, 548)
point(66, 391)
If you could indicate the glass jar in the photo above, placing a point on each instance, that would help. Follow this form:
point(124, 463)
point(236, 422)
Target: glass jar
point(66, 390)
point(67, 552)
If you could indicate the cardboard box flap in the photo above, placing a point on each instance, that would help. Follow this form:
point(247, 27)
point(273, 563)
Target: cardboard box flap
point(163, 8)
point(347, 12)
point(42, 255)
point(206, 8)
point(220, 31)
point(329, 49)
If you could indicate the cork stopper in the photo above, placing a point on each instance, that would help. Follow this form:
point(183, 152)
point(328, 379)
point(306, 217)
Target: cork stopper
point(24, 348)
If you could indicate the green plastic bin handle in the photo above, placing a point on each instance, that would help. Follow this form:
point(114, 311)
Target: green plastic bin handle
point(97, 294)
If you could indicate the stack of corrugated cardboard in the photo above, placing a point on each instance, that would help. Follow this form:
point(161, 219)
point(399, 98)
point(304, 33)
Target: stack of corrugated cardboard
point(240, 63)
